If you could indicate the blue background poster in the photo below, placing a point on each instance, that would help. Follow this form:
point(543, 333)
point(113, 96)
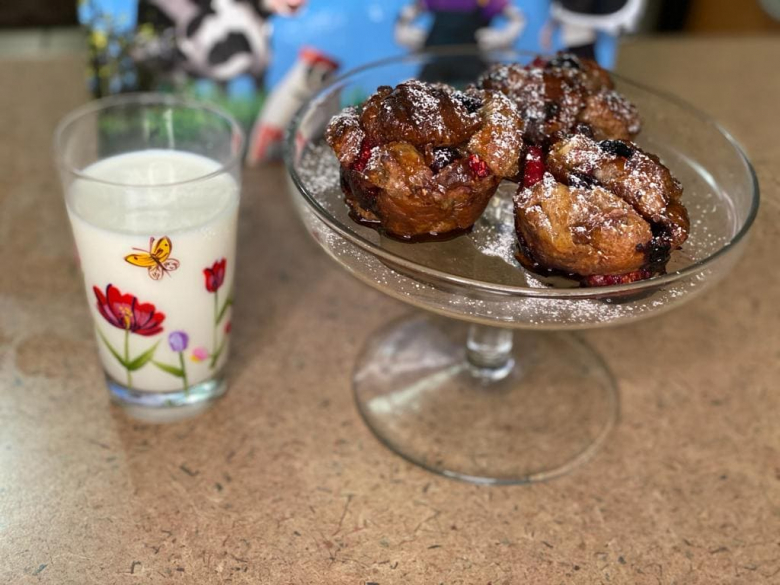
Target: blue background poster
point(260, 58)
point(360, 31)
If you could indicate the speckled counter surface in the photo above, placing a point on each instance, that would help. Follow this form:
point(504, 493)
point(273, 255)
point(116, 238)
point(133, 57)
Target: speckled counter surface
point(282, 483)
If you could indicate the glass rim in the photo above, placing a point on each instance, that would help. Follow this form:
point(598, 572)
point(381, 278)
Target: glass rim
point(505, 289)
point(145, 99)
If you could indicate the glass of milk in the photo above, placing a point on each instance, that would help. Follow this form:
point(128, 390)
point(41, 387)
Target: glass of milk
point(152, 186)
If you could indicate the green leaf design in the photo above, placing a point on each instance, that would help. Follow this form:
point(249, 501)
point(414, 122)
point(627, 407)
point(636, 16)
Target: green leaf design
point(216, 354)
point(114, 352)
point(224, 309)
point(142, 359)
point(173, 370)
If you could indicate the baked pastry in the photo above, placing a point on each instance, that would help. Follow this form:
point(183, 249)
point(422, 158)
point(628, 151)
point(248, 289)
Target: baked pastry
point(578, 229)
point(636, 176)
point(604, 212)
point(563, 95)
point(422, 160)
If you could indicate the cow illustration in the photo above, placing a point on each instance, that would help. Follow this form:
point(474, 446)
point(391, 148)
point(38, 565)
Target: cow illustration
point(216, 39)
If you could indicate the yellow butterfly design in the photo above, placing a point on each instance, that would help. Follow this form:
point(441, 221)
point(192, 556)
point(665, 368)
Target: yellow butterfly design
point(158, 259)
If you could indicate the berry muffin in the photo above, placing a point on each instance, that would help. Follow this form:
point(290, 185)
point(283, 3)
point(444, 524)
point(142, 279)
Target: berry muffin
point(564, 95)
point(636, 176)
point(422, 160)
point(579, 229)
point(603, 212)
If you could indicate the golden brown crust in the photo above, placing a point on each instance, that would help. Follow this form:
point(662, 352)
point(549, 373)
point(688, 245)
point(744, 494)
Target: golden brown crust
point(677, 224)
point(611, 116)
point(626, 173)
point(399, 192)
point(424, 159)
point(548, 101)
point(499, 141)
point(397, 167)
point(412, 201)
point(557, 97)
point(580, 230)
point(639, 179)
point(595, 77)
point(345, 136)
point(418, 113)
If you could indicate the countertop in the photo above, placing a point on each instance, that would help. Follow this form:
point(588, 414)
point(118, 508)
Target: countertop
point(281, 482)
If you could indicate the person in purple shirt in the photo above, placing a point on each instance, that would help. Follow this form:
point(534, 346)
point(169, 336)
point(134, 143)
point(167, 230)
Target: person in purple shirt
point(458, 22)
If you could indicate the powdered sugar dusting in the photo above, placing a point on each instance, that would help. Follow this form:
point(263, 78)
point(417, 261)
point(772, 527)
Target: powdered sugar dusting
point(499, 140)
point(345, 116)
point(419, 113)
point(427, 108)
point(318, 168)
point(624, 109)
point(345, 135)
point(487, 255)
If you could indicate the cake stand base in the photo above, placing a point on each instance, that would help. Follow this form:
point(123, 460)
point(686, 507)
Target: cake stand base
point(469, 402)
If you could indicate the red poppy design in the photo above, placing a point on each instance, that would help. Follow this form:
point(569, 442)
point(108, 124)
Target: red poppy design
point(125, 312)
point(215, 275)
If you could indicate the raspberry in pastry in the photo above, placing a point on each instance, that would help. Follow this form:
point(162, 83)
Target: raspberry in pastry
point(422, 160)
point(603, 212)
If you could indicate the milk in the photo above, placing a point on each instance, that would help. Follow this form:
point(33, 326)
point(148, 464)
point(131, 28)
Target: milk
point(111, 222)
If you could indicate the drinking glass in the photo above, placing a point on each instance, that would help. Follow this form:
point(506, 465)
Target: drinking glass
point(152, 187)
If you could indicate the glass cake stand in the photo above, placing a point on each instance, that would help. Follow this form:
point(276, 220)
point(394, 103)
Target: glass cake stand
point(463, 395)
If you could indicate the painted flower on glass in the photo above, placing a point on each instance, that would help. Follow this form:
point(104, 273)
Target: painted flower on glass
point(215, 275)
point(178, 340)
point(126, 312)
point(200, 354)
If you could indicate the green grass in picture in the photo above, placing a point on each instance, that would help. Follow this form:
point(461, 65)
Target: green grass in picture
point(355, 97)
point(163, 128)
point(244, 109)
